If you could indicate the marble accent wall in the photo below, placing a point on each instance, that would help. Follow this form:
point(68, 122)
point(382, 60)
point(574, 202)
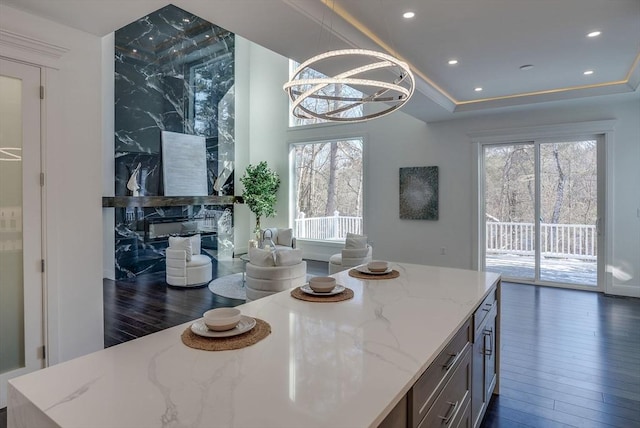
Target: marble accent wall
point(173, 72)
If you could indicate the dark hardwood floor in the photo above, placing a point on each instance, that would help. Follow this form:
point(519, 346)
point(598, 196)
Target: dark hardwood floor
point(136, 308)
point(569, 358)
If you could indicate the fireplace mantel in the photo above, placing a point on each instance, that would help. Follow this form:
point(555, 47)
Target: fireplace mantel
point(168, 201)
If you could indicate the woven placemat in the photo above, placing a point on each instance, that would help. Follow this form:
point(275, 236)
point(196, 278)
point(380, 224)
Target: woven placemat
point(356, 274)
point(301, 295)
point(255, 335)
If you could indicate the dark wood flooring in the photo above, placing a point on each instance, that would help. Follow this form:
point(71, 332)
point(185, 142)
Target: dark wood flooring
point(136, 308)
point(569, 358)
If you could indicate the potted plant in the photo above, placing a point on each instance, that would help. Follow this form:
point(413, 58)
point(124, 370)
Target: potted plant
point(260, 187)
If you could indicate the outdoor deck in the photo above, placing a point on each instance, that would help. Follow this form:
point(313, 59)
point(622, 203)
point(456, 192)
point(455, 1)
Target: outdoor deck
point(566, 271)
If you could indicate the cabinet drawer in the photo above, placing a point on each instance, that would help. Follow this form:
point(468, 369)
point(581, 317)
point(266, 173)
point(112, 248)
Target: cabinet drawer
point(427, 388)
point(464, 417)
point(483, 310)
point(452, 403)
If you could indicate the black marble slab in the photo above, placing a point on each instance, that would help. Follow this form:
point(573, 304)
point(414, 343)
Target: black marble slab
point(173, 72)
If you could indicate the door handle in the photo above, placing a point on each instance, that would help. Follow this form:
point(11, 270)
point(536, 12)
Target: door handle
point(487, 350)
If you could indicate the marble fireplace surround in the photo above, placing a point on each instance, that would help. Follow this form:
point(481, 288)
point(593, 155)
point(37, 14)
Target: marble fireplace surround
point(173, 72)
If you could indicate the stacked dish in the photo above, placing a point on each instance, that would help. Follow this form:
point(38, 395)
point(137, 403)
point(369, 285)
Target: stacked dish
point(222, 322)
point(375, 267)
point(322, 286)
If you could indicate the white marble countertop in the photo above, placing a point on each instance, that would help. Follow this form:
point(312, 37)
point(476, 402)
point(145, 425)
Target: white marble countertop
point(343, 364)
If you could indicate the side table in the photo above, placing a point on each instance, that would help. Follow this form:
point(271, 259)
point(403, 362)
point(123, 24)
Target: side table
point(245, 259)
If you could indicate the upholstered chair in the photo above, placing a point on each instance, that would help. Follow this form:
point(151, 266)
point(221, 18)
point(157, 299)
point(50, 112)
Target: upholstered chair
point(186, 266)
point(356, 251)
point(280, 238)
point(270, 272)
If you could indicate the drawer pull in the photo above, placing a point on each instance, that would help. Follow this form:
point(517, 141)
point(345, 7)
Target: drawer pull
point(452, 411)
point(487, 307)
point(487, 350)
point(450, 362)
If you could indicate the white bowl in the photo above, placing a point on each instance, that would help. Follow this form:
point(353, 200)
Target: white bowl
point(322, 284)
point(377, 266)
point(221, 319)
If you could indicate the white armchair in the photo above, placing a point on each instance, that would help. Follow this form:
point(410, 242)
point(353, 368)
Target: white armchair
point(271, 272)
point(355, 252)
point(186, 267)
point(280, 238)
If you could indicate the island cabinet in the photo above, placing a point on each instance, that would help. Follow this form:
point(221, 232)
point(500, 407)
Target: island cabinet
point(485, 362)
point(444, 390)
point(456, 388)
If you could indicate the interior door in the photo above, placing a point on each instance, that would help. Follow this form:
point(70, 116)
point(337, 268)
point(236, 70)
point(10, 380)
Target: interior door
point(21, 278)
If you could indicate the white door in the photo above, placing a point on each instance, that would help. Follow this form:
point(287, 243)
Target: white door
point(21, 278)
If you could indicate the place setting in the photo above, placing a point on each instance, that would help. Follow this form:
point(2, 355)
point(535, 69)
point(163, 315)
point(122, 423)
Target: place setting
point(223, 329)
point(322, 289)
point(375, 269)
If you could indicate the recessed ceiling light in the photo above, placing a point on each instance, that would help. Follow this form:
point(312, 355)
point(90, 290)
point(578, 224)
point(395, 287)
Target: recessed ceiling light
point(150, 38)
point(207, 36)
point(478, 89)
point(452, 62)
point(134, 50)
point(185, 19)
point(588, 72)
point(408, 15)
point(526, 67)
point(594, 34)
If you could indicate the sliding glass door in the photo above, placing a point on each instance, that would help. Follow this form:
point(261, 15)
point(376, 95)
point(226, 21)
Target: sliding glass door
point(541, 211)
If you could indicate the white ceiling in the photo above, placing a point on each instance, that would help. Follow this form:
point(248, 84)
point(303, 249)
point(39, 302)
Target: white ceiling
point(490, 38)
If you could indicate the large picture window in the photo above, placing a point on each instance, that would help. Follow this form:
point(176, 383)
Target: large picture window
point(324, 105)
point(328, 189)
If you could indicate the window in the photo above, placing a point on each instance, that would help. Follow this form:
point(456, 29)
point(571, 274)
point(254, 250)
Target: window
point(323, 105)
point(328, 189)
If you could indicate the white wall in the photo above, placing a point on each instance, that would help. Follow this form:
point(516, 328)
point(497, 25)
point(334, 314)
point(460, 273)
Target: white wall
point(261, 126)
point(72, 195)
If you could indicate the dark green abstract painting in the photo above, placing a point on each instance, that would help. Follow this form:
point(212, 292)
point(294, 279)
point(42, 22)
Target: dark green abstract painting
point(419, 193)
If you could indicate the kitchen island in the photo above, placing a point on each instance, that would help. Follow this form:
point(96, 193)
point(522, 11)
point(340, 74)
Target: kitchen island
point(344, 364)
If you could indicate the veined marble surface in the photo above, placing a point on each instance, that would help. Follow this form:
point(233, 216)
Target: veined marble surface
point(343, 364)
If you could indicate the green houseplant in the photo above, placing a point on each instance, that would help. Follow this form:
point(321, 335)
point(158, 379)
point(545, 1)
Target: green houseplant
point(260, 187)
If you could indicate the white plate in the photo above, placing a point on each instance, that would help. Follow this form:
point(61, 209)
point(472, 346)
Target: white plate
point(337, 289)
point(245, 324)
point(365, 269)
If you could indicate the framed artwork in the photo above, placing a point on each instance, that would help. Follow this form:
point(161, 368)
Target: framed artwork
point(184, 164)
point(419, 193)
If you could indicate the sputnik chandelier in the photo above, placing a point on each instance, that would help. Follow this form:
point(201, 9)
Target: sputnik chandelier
point(322, 97)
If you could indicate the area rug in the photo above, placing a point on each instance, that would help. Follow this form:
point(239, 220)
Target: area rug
point(229, 286)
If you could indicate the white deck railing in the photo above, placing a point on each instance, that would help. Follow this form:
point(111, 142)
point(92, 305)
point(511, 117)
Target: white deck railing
point(327, 228)
point(578, 241)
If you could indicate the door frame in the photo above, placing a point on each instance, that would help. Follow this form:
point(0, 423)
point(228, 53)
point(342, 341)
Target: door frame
point(603, 129)
point(34, 328)
point(46, 56)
